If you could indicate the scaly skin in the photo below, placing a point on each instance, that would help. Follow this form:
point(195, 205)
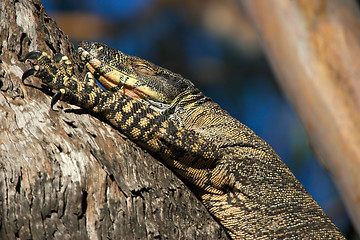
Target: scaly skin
point(238, 176)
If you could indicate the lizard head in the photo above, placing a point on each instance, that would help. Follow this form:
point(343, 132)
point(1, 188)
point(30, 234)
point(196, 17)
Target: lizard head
point(135, 77)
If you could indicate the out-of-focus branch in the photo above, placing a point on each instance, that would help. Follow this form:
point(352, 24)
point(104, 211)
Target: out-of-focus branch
point(223, 19)
point(314, 47)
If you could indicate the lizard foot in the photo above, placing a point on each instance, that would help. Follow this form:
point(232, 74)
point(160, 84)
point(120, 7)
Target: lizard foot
point(53, 72)
point(57, 73)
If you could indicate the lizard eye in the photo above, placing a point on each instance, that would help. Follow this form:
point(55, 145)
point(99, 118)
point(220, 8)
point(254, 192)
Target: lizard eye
point(145, 69)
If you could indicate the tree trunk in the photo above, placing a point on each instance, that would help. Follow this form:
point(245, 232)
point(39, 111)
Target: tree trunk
point(66, 174)
point(314, 47)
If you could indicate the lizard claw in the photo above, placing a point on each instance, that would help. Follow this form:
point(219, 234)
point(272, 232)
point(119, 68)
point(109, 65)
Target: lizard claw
point(33, 55)
point(55, 98)
point(28, 73)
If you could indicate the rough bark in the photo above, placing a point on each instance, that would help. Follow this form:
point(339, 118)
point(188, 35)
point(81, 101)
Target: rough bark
point(66, 174)
point(314, 47)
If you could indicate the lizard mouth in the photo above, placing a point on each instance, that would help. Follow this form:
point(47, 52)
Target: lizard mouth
point(111, 78)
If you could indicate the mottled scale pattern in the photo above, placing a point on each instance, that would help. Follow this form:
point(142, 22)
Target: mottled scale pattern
point(238, 176)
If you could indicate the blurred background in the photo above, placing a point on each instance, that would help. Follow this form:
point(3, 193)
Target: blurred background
point(213, 44)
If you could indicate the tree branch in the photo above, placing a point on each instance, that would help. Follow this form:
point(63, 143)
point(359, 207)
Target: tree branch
point(67, 174)
point(314, 48)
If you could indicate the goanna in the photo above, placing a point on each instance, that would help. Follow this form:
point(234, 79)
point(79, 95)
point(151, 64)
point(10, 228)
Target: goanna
point(237, 175)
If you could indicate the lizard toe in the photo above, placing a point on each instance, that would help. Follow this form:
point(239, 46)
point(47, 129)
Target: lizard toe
point(64, 63)
point(56, 98)
point(28, 73)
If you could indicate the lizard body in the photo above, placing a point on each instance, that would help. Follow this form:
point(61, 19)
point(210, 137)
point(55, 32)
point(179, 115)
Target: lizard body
point(237, 175)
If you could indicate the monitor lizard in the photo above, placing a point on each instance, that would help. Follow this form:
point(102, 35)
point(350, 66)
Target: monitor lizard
point(238, 177)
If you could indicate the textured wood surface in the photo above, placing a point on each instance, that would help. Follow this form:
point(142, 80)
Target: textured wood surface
point(66, 174)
